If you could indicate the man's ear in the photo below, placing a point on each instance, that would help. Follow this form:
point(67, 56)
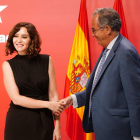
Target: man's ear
point(108, 29)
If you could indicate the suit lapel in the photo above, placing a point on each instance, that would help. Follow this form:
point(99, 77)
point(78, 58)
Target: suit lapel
point(109, 58)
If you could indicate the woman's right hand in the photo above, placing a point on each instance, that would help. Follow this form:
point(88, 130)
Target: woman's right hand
point(57, 107)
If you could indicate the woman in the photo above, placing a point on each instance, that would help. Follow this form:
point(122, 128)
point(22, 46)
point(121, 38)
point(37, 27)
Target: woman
point(30, 82)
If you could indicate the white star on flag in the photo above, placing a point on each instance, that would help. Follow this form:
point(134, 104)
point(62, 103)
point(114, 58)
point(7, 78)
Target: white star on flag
point(2, 8)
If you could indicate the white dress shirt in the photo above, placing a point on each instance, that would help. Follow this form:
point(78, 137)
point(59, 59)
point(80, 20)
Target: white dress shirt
point(109, 47)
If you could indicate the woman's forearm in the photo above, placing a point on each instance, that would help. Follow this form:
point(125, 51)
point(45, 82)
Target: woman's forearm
point(57, 121)
point(30, 103)
point(34, 103)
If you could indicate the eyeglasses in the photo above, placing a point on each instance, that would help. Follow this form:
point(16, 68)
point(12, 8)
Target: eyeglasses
point(93, 31)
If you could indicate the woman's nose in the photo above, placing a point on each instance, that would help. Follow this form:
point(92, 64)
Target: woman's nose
point(19, 39)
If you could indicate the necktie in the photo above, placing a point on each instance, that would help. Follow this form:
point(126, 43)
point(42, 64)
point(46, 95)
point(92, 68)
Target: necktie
point(96, 77)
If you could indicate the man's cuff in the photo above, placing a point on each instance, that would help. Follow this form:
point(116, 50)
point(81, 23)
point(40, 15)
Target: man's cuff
point(75, 104)
point(136, 138)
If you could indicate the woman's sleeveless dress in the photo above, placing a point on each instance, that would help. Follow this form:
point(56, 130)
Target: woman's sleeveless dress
point(32, 79)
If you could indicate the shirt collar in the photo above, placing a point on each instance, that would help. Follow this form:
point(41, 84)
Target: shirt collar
point(110, 45)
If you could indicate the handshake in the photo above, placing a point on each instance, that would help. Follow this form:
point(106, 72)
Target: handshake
point(57, 107)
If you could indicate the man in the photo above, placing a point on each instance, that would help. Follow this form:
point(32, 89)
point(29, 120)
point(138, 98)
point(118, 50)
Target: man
point(112, 95)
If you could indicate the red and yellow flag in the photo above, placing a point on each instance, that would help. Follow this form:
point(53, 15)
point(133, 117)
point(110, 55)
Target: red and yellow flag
point(119, 8)
point(77, 75)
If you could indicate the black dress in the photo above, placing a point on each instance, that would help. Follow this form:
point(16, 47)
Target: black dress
point(31, 77)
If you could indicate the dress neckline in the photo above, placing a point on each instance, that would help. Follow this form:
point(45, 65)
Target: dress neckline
point(22, 56)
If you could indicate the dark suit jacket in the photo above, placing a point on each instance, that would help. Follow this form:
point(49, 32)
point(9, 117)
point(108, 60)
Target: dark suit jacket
point(116, 96)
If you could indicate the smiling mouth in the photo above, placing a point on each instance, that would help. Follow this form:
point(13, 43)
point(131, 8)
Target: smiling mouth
point(19, 45)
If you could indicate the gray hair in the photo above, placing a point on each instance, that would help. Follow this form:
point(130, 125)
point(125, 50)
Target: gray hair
point(110, 17)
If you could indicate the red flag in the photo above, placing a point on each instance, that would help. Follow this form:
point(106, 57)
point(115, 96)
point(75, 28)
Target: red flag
point(77, 75)
point(119, 8)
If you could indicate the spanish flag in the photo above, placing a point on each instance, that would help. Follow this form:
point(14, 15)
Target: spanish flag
point(77, 75)
point(119, 8)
